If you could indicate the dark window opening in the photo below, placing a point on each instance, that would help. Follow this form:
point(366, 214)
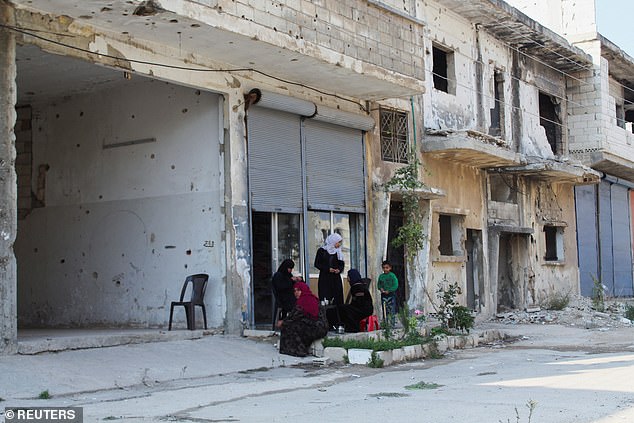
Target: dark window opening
point(629, 120)
point(394, 130)
point(446, 240)
point(620, 116)
point(443, 70)
point(551, 236)
point(497, 113)
point(549, 119)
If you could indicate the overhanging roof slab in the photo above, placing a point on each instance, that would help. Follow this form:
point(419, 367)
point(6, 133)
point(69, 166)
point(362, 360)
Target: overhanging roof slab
point(209, 35)
point(519, 31)
point(470, 148)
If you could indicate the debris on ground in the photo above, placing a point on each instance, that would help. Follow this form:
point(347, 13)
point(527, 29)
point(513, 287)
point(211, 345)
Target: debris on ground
point(578, 313)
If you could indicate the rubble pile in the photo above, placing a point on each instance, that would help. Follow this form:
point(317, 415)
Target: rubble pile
point(579, 313)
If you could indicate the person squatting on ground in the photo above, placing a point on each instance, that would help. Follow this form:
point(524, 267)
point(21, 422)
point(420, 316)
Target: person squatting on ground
point(283, 282)
point(388, 284)
point(305, 323)
point(329, 261)
point(360, 305)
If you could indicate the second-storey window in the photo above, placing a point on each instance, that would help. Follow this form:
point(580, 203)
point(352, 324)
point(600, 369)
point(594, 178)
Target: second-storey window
point(444, 73)
point(549, 119)
point(394, 130)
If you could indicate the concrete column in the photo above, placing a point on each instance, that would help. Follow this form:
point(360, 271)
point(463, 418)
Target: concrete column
point(238, 237)
point(8, 187)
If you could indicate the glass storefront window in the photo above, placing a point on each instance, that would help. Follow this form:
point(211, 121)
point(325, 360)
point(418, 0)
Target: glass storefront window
point(289, 240)
point(348, 225)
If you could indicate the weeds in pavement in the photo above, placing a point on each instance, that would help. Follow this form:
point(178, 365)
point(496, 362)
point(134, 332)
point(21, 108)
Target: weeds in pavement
point(531, 405)
point(44, 395)
point(423, 385)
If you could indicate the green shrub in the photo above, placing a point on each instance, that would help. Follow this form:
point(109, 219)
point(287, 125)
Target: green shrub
point(371, 344)
point(44, 395)
point(462, 319)
point(375, 360)
point(558, 301)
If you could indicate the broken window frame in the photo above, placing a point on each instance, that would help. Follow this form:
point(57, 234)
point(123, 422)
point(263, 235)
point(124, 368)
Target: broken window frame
point(450, 230)
point(509, 188)
point(394, 135)
point(443, 69)
point(553, 243)
point(497, 112)
point(550, 120)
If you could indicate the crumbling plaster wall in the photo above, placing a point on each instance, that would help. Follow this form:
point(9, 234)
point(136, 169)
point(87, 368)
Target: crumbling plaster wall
point(8, 188)
point(465, 196)
point(477, 56)
point(236, 280)
point(449, 30)
point(536, 77)
point(554, 204)
point(377, 207)
point(124, 224)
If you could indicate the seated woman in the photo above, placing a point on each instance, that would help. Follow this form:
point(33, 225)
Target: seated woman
point(305, 323)
point(283, 282)
point(360, 305)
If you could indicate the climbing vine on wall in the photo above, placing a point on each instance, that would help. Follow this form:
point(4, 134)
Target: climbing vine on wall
point(405, 181)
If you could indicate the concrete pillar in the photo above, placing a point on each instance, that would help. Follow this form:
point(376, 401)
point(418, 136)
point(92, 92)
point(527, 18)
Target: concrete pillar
point(238, 237)
point(8, 187)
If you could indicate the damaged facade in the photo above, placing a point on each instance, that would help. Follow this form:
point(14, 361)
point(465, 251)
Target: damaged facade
point(166, 138)
point(600, 131)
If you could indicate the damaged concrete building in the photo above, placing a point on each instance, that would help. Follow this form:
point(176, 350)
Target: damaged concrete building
point(145, 141)
point(602, 101)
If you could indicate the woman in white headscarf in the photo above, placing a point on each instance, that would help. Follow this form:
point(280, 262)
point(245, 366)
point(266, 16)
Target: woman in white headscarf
point(329, 261)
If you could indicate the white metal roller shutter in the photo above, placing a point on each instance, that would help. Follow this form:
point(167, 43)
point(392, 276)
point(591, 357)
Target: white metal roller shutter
point(275, 161)
point(334, 168)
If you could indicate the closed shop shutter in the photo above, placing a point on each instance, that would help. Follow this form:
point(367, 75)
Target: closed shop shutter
point(275, 161)
point(587, 237)
point(621, 237)
point(334, 167)
point(605, 235)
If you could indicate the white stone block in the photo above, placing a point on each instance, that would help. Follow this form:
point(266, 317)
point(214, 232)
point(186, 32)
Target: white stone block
point(336, 354)
point(409, 352)
point(317, 348)
point(442, 346)
point(398, 355)
point(359, 356)
point(386, 356)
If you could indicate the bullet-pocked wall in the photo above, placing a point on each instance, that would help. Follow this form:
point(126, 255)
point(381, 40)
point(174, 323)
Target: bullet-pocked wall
point(132, 203)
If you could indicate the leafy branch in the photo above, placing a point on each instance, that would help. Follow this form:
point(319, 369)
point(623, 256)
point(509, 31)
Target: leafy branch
point(405, 180)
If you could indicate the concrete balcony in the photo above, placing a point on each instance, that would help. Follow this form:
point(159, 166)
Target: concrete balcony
point(611, 152)
point(470, 148)
point(361, 50)
point(554, 171)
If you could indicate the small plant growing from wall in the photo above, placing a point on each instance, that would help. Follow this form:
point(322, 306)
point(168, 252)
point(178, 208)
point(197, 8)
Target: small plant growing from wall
point(598, 294)
point(405, 180)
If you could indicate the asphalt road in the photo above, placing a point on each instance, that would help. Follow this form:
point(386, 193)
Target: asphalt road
point(569, 375)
